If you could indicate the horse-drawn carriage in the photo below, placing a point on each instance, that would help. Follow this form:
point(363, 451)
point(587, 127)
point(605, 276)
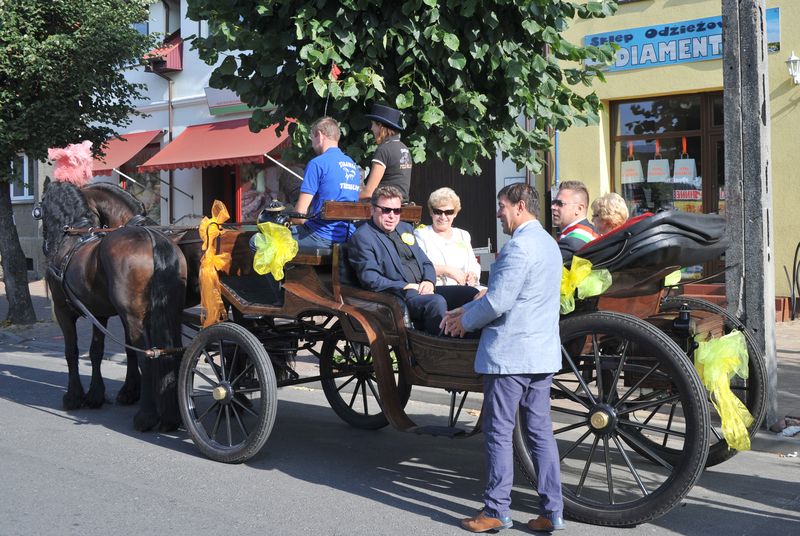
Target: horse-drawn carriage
point(631, 416)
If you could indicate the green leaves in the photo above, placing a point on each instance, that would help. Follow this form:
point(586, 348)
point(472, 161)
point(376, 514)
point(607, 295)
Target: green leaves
point(462, 71)
point(432, 115)
point(457, 61)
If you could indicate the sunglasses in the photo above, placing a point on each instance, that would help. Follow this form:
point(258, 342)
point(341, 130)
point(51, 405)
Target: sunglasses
point(560, 203)
point(387, 210)
point(445, 212)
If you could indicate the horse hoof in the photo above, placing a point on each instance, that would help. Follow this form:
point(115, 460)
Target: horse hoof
point(144, 422)
point(95, 401)
point(127, 398)
point(168, 425)
point(72, 401)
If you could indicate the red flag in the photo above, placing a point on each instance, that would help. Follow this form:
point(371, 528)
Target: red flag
point(335, 71)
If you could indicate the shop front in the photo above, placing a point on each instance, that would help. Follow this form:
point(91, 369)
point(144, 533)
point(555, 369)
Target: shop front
point(660, 142)
point(237, 166)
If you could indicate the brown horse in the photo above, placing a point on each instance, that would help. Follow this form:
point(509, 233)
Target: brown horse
point(133, 272)
point(116, 207)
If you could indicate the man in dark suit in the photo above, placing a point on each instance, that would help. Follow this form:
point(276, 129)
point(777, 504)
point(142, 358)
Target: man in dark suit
point(386, 258)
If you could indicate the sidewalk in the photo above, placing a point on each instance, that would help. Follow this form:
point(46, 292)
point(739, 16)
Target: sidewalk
point(46, 335)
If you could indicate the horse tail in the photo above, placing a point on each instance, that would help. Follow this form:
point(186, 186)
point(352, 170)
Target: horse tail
point(166, 293)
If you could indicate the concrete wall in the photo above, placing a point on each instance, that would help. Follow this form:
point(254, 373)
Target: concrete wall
point(585, 152)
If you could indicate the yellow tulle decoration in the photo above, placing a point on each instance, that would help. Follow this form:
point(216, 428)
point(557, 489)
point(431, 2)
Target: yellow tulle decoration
point(274, 248)
point(213, 309)
point(717, 361)
point(672, 279)
point(582, 278)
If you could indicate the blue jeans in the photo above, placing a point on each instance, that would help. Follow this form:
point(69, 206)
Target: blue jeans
point(503, 394)
point(308, 239)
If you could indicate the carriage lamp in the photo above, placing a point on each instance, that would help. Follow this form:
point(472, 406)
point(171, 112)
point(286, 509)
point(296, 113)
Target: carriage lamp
point(793, 63)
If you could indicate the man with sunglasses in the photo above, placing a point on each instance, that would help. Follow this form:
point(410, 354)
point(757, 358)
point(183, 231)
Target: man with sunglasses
point(387, 258)
point(569, 215)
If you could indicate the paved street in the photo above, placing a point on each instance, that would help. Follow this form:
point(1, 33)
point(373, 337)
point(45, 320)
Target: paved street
point(88, 472)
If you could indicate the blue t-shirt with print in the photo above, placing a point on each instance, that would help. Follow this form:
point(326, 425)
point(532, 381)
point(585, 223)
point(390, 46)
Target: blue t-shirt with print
point(331, 176)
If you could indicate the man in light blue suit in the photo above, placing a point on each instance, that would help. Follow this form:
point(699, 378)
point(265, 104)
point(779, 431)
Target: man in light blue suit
point(519, 351)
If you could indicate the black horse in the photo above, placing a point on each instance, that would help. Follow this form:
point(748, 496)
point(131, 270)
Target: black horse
point(133, 272)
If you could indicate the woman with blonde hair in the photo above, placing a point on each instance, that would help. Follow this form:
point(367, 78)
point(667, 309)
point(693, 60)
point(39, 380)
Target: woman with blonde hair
point(448, 247)
point(609, 211)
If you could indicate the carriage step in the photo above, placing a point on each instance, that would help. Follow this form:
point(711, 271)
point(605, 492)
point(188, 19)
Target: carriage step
point(447, 431)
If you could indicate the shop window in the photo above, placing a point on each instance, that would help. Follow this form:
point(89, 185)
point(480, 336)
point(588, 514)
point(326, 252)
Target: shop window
point(717, 115)
point(668, 154)
point(22, 187)
point(659, 174)
point(658, 116)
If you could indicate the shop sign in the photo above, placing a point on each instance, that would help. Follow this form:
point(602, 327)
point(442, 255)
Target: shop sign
point(688, 195)
point(679, 42)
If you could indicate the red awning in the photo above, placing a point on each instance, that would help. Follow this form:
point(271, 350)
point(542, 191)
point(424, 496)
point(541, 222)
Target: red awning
point(118, 151)
point(217, 144)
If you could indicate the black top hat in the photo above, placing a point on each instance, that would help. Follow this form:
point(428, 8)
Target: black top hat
point(386, 115)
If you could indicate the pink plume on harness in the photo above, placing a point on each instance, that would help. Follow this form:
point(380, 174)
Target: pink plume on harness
point(73, 163)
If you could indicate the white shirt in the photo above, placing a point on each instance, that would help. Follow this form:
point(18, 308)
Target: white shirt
point(455, 251)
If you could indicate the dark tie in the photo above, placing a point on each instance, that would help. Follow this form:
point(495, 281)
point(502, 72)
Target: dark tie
point(412, 272)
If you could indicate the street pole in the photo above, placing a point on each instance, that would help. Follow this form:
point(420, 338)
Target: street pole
point(750, 281)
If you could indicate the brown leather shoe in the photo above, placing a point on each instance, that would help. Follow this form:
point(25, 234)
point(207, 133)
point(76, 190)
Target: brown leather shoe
point(480, 522)
point(542, 524)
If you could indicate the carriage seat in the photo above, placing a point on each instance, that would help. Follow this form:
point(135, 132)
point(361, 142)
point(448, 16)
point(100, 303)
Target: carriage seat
point(315, 256)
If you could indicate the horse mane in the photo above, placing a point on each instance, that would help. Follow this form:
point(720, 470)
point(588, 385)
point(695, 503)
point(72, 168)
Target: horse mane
point(63, 205)
point(120, 195)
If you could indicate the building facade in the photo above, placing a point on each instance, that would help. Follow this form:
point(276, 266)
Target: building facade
point(660, 141)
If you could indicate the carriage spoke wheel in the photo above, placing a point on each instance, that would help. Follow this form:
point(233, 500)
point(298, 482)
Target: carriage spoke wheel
point(227, 393)
point(622, 378)
point(350, 384)
point(751, 391)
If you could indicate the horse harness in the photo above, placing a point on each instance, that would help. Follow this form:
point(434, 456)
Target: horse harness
point(92, 234)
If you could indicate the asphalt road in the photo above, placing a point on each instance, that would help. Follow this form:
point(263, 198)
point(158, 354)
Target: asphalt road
point(88, 472)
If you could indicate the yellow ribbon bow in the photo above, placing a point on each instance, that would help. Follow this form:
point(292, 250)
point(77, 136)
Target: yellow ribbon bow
point(274, 248)
point(717, 361)
point(582, 278)
point(213, 309)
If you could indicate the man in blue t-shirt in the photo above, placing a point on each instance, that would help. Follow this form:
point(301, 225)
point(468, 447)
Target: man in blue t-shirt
point(331, 176)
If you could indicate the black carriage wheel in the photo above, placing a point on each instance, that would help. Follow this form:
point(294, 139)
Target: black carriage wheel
point(349, 382)
point(227, 393)
point(616, 369)
point(752, 391)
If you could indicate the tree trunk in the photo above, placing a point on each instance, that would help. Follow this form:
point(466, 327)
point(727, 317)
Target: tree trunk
point(15, 272)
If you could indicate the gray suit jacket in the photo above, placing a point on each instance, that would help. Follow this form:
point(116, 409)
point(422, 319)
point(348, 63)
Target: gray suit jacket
point(520, 312)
